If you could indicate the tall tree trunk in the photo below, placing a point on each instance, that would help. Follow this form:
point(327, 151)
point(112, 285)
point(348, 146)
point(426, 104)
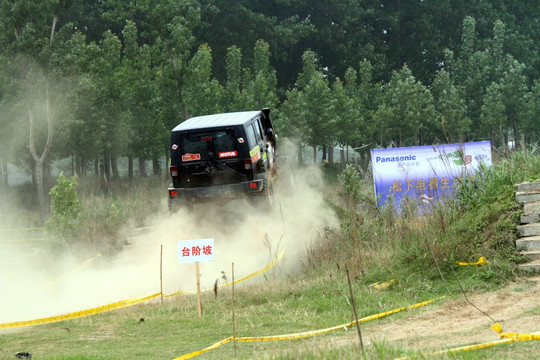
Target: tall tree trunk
point(142, 167)
point(114, 166)
point(331, 154)
point(314, 154)
point(103, 177)
point(130, 168)
point(167, 163)
point(33, 172)
point(155, 166)
point(47, 175)
point(107, 168)
point(3, 182)
point(83, 168)
point(39, 161)
point(4, 173)
point(300, 156)
point(97, 167)
point(324, 149)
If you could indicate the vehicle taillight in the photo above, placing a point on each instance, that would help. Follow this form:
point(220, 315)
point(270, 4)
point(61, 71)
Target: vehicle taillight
point(253, 185)
point(174, 171)
point(248, 164)
point(173, 193)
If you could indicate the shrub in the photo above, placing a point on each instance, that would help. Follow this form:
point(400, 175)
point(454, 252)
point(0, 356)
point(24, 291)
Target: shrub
point(64, 223)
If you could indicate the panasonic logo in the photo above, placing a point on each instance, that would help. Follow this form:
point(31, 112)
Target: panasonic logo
point(379, 159)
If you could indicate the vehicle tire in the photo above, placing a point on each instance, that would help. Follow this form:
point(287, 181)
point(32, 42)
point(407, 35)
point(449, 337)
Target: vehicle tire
point(173, 205)
point(176, 204)
point(264, 199)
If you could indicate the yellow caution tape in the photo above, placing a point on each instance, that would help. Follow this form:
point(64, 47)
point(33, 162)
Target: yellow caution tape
point(23, 240)
point(22, 229)
point(506, 339)
point(196, 353)
point(481, 261)
point(122, 303)
point(383, 285)
point(264, 269)
point(92, 311)
point(522, 337)
point(497, 328)
point(258, 272)
point(307, 333)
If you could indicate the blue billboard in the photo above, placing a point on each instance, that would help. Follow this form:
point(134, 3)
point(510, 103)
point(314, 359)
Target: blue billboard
point(425, 173)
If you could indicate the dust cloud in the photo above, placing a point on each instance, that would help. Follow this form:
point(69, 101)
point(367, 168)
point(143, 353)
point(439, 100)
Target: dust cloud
point(35, 285)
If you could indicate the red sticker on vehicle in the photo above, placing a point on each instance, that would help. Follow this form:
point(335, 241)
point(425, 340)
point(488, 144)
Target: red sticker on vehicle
point(227, 154)
point(174, 147)
point(241, 140)
point(191, 157)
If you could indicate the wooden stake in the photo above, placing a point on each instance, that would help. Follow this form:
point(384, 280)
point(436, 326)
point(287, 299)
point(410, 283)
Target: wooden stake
point(354, 309)
point(161, 273)
point(198, 276)
point(233, 320)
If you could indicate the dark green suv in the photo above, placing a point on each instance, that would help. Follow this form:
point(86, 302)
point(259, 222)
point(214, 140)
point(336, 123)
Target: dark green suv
point(222, 156)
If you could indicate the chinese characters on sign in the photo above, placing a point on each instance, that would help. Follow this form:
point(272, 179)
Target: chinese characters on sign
point(425, 173)
point(200, 250)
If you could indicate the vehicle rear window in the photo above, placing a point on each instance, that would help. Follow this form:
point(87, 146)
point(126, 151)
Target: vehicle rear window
point(195, 146)
point(250, 132)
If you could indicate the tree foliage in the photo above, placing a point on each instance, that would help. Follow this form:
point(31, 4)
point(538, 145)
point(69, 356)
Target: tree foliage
point(336, 73)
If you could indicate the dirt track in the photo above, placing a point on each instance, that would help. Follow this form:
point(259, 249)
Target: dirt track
point(455, 322)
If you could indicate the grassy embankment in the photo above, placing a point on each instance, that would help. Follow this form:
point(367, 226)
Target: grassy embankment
point(373, 244)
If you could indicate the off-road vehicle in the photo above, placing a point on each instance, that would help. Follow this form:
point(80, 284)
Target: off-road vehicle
point(222, 156)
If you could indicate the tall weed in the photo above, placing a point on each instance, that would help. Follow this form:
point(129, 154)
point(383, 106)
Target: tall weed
point(479, 221)
point(90, 219)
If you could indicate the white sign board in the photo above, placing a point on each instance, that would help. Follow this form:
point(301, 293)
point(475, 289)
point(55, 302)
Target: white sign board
point(425, 172)
point(199, 250)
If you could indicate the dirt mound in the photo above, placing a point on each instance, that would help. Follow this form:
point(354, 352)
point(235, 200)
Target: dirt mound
point(456, 322)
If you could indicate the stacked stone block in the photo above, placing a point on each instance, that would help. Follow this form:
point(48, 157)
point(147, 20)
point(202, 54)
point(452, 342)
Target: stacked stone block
point(528, 194)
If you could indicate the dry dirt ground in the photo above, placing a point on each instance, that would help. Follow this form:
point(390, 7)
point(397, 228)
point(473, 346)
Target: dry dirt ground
point(455, 322)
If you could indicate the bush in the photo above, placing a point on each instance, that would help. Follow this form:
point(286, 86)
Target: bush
point(64, 223)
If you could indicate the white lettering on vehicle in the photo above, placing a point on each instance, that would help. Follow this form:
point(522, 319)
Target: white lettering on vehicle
point(227, 154)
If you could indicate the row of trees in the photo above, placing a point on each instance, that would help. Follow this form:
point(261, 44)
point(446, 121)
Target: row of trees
point(109, 79)
point(480, 93)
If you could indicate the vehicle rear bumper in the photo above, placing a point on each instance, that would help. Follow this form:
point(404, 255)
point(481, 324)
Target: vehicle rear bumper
point(224, 191)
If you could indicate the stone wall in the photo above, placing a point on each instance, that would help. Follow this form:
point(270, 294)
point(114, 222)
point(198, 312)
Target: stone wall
point(528, 244)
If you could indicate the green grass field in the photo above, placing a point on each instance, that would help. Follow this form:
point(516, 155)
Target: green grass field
point(373, 244)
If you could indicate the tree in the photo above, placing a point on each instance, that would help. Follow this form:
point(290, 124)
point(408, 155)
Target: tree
point(202, 95)
point(492, 116)
point(531, 125)
point(146, 130)
point(33, 44)
point(290, 120)
point(260, 83)
point(315, 104)
point(345, 115)
point(407, 114)
point(233, 87)
point(225, 23)
point(450, 108)
point(39, 160)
